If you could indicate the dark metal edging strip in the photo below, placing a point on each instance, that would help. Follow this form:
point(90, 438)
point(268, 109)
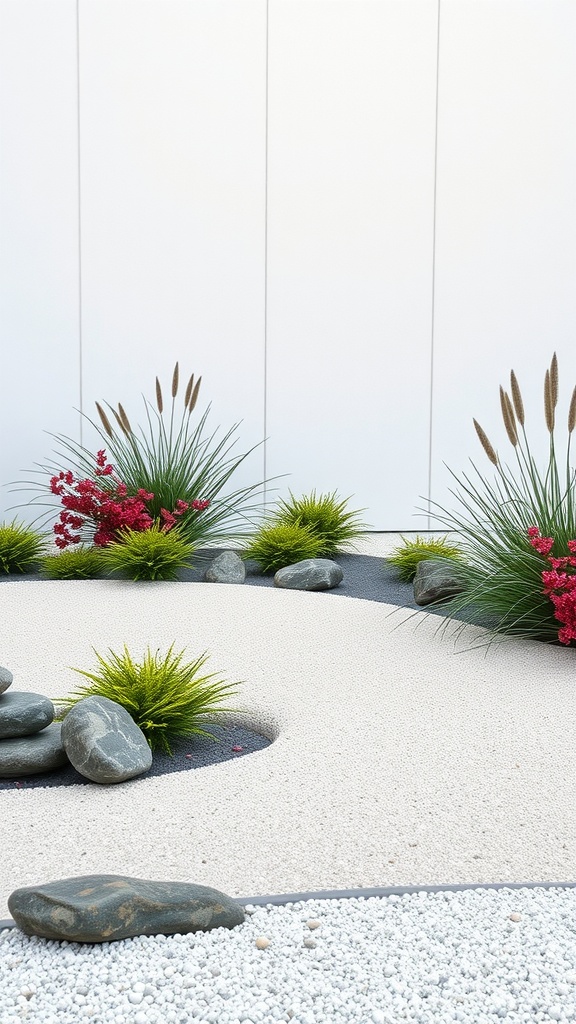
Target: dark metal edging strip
point(346, 894)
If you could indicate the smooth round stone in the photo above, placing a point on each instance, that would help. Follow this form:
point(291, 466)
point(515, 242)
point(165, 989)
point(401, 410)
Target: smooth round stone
point(6, 679)
point(227, 567)
point(22, 714)
point(310, 574)
point(104, 743)
point(30, 755)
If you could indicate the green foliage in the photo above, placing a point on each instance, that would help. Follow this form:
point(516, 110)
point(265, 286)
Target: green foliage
point(83, 563)
point(172, 460)
point(276, 545)
point(326, 516)
point(149, 554)
point(406, 556)
point(501, 572)
point(167, 698)
point(21, 548)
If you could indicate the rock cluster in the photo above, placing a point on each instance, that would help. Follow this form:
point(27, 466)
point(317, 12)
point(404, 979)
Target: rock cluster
point(104, 908)
point(98, 737)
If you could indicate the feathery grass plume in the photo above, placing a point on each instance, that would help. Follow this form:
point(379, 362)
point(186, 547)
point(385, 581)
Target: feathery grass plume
point(124, 419)
point(485, 443)
point(572, 412)
point(554, 381)
point(168, 700)
point(508, 417)
point(194, 395)
point(175, 381)
point(177, 459)
point(548, 403)
point(105, 420)
point(188, 391)
point(159, 401)
point(501, 573)
point(406, 557)
point(517, 398)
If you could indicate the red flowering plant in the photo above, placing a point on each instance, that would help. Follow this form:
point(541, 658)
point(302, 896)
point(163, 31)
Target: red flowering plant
point(109, 509)
point(559, 586)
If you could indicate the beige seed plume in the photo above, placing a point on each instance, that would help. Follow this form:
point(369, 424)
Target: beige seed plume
point(105, 420)
point(554, 381)
point(486, 443)
point(517, 398)
point(548, 403)
point(124, 419)
point(189, 387)
point(118, 421)
point(159, 401)
point(572, 413)
point(194, 395)
point(175, 381)
point(508, 417)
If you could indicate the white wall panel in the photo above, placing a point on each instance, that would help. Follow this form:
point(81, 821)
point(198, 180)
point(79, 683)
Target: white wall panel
point(506, 222)
point(173, 163)
point(39, 342)
point(350, 204)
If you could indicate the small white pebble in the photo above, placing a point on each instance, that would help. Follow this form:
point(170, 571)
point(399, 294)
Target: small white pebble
point(312, 924)
point(389, 970)
point(262, 942)
point(310, 943)
point(571, 978)
point(515, 917)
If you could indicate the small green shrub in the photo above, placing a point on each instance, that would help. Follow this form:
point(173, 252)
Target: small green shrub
point(75, 564)
point(148, 555)
point(326, 516)
point(21, 548)
point(166, 698)
point(407, 556)
point(276, 545)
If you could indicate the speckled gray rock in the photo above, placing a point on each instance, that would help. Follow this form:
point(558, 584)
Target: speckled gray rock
point(103, 742)
point(30, 755)
point(434, 582)
point(22, 714)
point(104, 908)
point(6, 679)
point(310, 574)
point(227, 567)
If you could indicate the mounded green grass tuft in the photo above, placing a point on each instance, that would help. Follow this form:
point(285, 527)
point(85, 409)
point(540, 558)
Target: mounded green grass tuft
point(277, 545)
point(148, 555)
point(21, 548)
point(406, 557)
point(326, 516)
point(167, 698)
point(74, 564)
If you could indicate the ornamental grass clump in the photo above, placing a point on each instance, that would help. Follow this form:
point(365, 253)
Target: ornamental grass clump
point(152, 554)
point(501, 573)
point(326, 516)
point(173, 467)
point(83, 563)
point(21, 548)
point(168, 699)
point(407, 556)
point(277, 545)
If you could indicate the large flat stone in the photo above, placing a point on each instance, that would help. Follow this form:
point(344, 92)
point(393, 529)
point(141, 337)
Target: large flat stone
point(104, 908)
point(30, 755)
point(22, 714)
point(6, 679)
point(104, 743)
point(310, 574)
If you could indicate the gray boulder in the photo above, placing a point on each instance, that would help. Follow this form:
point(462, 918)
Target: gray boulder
point(227, 567)
point(434, 582)
point(310, 574)
point(104, 908)
point(30, 755)
point(6, 679)
point(22, 714)
point(103, 742)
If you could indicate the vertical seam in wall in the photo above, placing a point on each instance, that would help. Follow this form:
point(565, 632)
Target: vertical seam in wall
point(80, 353)
point(265, 408)
point(433, 310)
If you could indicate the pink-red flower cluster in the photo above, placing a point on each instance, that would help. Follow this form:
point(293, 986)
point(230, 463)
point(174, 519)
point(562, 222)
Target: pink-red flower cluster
point(559, 586)
point(108, 509)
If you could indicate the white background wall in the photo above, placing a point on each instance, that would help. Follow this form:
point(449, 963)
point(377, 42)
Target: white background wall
point(352, 217)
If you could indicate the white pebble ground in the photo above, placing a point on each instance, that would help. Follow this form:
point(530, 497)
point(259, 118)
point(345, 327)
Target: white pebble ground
point(397, 762)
